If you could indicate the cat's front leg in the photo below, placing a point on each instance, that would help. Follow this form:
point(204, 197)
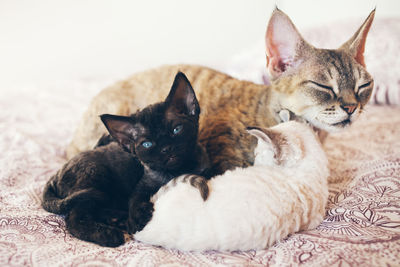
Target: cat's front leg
point(196, 181)
point(114, 218)
point(140, 213)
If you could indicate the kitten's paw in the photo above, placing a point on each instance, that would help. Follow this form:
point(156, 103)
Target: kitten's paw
point(118, 222)
point(139, 216)
point(114, 218)
point(200, 183)
point(284, 115)
point(112, 238)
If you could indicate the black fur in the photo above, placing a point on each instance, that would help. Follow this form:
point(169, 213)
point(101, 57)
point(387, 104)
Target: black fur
point(91, 185)
point(103, 189)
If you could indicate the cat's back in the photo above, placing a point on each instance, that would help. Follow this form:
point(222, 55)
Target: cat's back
point(101, 167)
point(215, 91)
point(153, 85)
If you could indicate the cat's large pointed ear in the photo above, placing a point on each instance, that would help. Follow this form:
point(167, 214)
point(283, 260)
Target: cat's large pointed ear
point(122, 129)
point(283, 43)
point(182, 98)
point(356, 44)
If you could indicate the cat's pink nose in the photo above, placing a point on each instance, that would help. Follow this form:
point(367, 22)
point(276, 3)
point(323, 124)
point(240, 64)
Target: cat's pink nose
point(349, 108)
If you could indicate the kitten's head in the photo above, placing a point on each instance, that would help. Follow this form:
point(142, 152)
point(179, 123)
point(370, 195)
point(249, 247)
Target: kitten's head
point(328, 88)
point(164, 135)
point(284, 144)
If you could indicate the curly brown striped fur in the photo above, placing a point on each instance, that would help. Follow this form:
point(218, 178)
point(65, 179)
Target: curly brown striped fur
point(327, 88)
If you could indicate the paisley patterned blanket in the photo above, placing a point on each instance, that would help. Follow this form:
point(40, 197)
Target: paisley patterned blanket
point(361, 228)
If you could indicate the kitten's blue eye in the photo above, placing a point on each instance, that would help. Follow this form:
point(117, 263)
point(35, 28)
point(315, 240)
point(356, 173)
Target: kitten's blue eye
point(147, 144)
point(177, 129)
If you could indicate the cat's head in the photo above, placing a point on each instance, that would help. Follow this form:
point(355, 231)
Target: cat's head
point(164, 135)
point(284, 144)
point(326, 87)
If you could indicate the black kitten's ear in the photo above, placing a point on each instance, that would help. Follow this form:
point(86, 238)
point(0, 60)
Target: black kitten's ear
point(104, 140)
point(182, 98)
point(122, 129)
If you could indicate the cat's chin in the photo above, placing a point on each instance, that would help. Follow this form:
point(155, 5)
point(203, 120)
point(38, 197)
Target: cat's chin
point(173, 162)
point(342, 124)
point(331, 128)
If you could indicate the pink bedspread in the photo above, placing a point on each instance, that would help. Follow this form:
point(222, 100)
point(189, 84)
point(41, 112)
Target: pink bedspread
point(361, 228)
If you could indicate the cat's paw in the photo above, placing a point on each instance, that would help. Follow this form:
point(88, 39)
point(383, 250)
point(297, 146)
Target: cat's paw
point(117, 219)
point(200, 183)
point(113, 237)
point(284, 115)
point(139, 216)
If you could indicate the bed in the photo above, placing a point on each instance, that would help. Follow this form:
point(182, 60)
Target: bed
point(361, 227)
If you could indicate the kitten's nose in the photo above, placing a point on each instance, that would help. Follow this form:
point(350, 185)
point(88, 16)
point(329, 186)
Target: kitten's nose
point(166, 149)
point(349, 108)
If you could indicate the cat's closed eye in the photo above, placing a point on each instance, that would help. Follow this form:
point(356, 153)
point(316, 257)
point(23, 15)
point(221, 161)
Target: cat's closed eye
point(364, 91)
point(323, 87)
point(322, 92)
point(177, 129)
point(364, 87)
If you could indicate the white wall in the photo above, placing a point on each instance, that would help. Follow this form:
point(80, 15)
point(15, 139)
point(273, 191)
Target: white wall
point(58, 40)
point(306, 13)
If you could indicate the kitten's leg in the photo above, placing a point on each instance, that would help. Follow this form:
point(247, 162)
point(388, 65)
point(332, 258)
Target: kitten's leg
point(83, 225)
point(198, 182)
point(85, 221)
point(140, 213)
point(114, 218)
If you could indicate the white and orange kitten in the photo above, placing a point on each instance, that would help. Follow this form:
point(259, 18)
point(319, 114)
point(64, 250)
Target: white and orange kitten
point(248, 208)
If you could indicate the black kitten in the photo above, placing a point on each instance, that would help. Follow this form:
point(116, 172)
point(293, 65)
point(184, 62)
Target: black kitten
point(97, 189)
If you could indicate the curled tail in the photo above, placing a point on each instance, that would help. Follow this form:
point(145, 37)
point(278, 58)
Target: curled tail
point(51, 201)
point(54, 203)
point(85, 219)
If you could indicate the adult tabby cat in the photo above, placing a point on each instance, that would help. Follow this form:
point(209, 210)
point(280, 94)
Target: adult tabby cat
point(327, 88)
point(97, 188)
point(284, 192)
